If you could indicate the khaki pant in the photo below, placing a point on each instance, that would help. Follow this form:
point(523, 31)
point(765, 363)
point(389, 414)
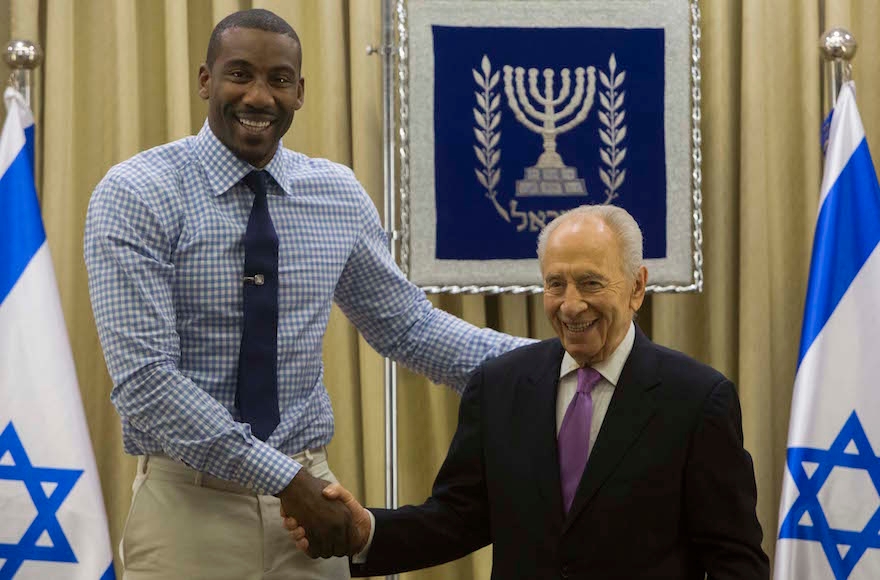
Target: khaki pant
point(187, 525)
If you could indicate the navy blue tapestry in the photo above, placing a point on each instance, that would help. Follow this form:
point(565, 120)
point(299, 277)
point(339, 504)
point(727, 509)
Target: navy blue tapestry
point(531, 122)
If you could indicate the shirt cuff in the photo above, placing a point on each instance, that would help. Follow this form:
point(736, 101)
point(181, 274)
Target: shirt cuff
point(266, 470)
point(361, 557)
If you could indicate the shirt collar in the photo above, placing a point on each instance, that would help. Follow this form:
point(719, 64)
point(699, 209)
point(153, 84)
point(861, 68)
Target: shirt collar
point(223, 169)
point(611, 367)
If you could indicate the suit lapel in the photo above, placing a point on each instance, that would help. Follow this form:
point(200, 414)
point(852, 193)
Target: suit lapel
point(628, 413)
point(537, 407)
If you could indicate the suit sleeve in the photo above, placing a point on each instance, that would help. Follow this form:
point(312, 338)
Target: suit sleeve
point(721, 494)
point(454, 521)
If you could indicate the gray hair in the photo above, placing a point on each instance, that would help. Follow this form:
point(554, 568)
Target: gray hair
point(618, 219)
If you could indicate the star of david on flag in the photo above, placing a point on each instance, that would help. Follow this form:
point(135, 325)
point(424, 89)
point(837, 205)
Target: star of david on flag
point(32, 545)
point(830, 507)
point(52, 518)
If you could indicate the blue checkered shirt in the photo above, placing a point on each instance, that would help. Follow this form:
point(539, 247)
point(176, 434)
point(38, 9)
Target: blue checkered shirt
point(164, 253)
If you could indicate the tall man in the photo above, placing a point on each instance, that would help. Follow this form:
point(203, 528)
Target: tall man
point(596, 455)
point(212, 265)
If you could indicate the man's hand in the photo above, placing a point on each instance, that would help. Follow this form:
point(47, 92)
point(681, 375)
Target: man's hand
point(329, 522)
point(360, 518)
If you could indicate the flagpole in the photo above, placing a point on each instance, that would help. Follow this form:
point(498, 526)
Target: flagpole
point(823, 105)
point(23, 56)
point(838, 48)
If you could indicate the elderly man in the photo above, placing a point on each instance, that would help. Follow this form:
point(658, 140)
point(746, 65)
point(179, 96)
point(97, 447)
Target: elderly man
point(594, 455)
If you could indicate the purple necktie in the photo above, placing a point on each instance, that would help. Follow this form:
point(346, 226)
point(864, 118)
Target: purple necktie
point(574, 435)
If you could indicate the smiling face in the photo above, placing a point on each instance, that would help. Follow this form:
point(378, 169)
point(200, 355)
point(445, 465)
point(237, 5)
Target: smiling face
point(253, 89)
point(588, 296)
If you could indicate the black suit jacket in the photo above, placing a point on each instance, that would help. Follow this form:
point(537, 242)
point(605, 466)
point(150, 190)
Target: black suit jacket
point(668, 492)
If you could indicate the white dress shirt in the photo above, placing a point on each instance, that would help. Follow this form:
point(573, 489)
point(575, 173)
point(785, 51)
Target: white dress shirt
point(610, 369)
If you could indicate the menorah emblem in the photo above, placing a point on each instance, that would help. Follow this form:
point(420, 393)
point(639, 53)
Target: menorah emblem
point(550, 175)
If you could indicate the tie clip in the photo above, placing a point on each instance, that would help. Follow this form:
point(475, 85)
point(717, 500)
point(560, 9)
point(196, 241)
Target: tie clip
point(256, 280)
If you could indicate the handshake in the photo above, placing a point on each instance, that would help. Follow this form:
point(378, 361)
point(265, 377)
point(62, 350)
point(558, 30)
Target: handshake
point(323, 519)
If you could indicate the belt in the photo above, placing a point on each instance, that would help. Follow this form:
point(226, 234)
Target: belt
point(163, 468)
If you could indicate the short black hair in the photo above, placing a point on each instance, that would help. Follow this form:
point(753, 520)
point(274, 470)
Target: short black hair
point(256, 18)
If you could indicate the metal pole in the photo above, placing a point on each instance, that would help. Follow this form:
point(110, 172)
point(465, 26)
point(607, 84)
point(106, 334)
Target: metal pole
point(838, 48)
point(824, 106)
point(387, 52)
point(22, 56)
point(391, 470)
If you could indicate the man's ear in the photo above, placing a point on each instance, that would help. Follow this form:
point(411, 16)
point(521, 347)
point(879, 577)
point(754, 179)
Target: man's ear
point(204, 82)
point(300, 94)
point(639, 285)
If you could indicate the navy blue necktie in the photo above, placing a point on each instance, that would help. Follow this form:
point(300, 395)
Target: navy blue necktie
point(257, 390)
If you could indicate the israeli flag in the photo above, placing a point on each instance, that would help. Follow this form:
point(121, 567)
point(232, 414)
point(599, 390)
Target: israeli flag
point(52, 519)
point(830, 521)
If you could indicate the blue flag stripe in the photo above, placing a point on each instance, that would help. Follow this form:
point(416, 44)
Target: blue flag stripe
point(847, 231)
point(21, 227)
